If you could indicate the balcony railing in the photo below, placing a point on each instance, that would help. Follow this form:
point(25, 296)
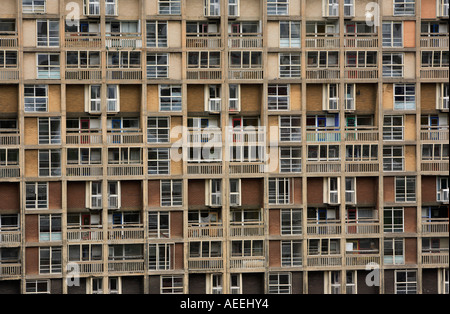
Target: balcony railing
point(361, 134)
point(83, 40)
point(245, 40)
point(212, 263)
point(124, 136)
point(124, 74)
point(246, 168)
point(84, 233)
point(322, 73)
point(245, 74)
point(126, 232)
point(81, 137)
point(363, 227)
point(125, 170)
point(90, 267)
point(435, 225)
point(84, 170)
point(84, 74)
point(434, 165)
point(247, 262)
point(9, 74)
point(435, 40)
point(8, 40)
point(123, 40)
point(366, 40)
point(126, 266)
point(203, 40)
point(362, 166)
point(10, 270)
point(434, 73)
point(10, 235)
point(210, 230)
point(331, 226)
point(247, 229)
point(438, 258)
point(247, 135)
point(324, 134)
point(323, 166)
point(434, 133)
point(9, 137)
point(357, 259)
point(321, 40)
point(9, 171)
point(204, 74)
point(203, 136)
point(331, 260)
point(204, 168)
point(360, 73)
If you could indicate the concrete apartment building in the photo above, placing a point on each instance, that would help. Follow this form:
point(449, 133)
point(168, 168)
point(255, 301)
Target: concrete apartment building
point(224, 146)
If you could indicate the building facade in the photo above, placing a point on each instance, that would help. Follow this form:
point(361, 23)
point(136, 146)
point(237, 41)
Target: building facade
point(224, 146)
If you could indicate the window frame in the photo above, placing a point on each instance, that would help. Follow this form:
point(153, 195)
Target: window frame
point(50, 38)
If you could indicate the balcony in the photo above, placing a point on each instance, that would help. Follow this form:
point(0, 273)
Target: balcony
point(8, 40)
point(360, 258)
point(439, 257)
point(83, 40)
point(83, 137)
point(435, 225)
point(9, 137)
point(362, 227)
point(365, 40)
point(322, 74)
point(434, 133)
point(203, 40)
point(84, 170)
point(323, 167)
point(362, 166)
point(204, 168)
point(324, 134)
point(90, 267)
point(434, 40)
point(12, 171)
point(324, 260)
point(198, 137)
point(328, 227)
point(321, 40)
point(207, 230)
point(199, 263)
point(125, 170)
point(246, 229)
point(124, 136)
point(245, 40)
point(360, 73)
point(88, 74)
point(10, 270)
point(10, 236)
point(361, 134)
point(84, 233)
point(124, 40)
point(434, 73)
point(247, 135)
point(126, 232)
point(123, 73)
point(247, 262)
point(247, 168)
point(245, 74)
point(9, 74)
point(434, 166)
point(126, 266)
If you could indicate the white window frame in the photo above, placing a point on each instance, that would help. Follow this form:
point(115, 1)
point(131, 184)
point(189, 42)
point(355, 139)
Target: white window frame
point(114, 199)
point(162, 258)
point(404, 96)
point(233, 8)
point(235, 194)
point(291, 222)
point(404, 7)
point(393, 158)
point(393, 132)
point(211, 7)
point(276, 285)
point(51, 235)
point(53, 71)
point(171, 102)
point(395, 213)
point(407, 195)
point(278, 102)
point(440, 153)
point(176, 284)
point(442, 8)
point(36, 203)
point(288, 131)
point(50, 38)
point(291, 253)
point(387, 34)
point(332, 190)
point(158, 39)
point(391, 69)
point(35, 6)
point(287, 40)
point(111, 7)
point(155, 217)
point(160, 165)
point(350, 97)
point(158, 134)
point(33, 286)
point(361, 152)
point(289, 65)
point(9, 59)
point(171, 199)
point(91, 7)
point(330, 8)
point(51, 129)
point(442, 99)
point(275, 196)
point(38, 103)
point(94, 194)
point(330, 97)
point(112, 98)
point(277, 7)
point(442, 189)
point(350, 190)
point(157, 65)
point(54, 170)
point(290, 159)
point(349, 8)
point(405, 287)
point(169, 7)
point(52, 268)
point(234, 103)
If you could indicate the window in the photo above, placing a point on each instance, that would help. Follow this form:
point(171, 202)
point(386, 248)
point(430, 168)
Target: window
point(438, 58)
point(157, 34)
point(290, 130)
point(333, 282)
point(289, 65)
point(49, 228)
point(291, 253)
point(169, 7)
point(245, 59)
point(405, 189)
point(50, 260)
point(330, 97)
point(94, 200)
point(85, 252)
point(236, 283)
point(8, 59)
point(157, 65)
point(82, 59)
point(123, 59)
point(91, 7)
point(393, 158)
point(392, 34)
point(48, 66)
point(393, 219)
point(404, 96)
point(205, 249)
point(323, 152)
point(171, 284)
point(110, 7)
point(290, 159)
point(158, 224)
point(357, 152)
point(36, 195)
point(84, 156)
point(114, 201)
point(278, 97)
point(289, 34)
point(49, 130)
point(36, 98)
point(361, 59)
point(443, 6)
point(235, 192)
point(233, 7)
point(234, 102)
point(158, 129)
point(49, 163)
point(435, 151)
point(442, 189)
point(212, 7)
point(331, 8)
point(171, 193)
point(350, 190)
point(279, 190)
point(349, 8)
point(323, 246)
point(350, 283)
point(405, 282)
point(443, 99)
point(322, 59)
point(443, 282)
point(37, 286)
point(404, 7)
point(160, 256)
point(9, 157)
point(170, 97)
point(291, 222)
point(244, 248)
point(33, 6)
point(159, 161)
point(393, 64)
point(277, 7)
point(279, 283)
point(112, 98)
point(124, 155)
point(47, 33)
point(393, 128)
